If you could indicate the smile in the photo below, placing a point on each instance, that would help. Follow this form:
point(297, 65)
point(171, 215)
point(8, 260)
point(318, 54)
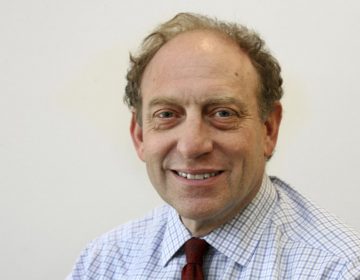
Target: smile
point(199, 176)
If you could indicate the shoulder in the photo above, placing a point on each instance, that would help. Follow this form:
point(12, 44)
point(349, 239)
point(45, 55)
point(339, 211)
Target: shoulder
point(137, 231)
point(305, 224)
point(120, 247)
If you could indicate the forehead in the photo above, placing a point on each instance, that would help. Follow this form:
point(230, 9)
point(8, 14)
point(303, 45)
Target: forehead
point(197, 60)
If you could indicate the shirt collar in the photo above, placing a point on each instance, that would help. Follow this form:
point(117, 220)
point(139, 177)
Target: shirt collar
point(175, 236)
point(236, 239)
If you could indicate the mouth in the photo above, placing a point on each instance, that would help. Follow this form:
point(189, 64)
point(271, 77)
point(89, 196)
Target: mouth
point(197, 176)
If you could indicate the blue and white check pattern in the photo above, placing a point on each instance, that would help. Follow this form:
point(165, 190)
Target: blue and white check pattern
point(280, 235)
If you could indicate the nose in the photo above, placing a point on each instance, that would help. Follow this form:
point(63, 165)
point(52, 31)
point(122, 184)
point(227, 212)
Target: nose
point(194, 140)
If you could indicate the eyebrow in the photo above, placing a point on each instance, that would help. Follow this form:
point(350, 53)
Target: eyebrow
point(220, 100)
point(225, 100)
point(162, 101)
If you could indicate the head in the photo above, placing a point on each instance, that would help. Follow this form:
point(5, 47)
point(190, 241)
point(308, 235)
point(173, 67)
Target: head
point(198, 125)
point(267, 67)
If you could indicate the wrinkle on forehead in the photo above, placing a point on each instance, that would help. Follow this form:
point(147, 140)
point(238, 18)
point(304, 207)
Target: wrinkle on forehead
point(200, 56)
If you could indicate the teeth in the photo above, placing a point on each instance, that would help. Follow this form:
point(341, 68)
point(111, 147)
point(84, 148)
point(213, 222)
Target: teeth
point(197, 176)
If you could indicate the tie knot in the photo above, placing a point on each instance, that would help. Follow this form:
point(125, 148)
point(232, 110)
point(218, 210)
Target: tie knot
point(195, 248)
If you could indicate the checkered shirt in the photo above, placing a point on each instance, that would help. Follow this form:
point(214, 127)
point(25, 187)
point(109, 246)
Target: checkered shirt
point(279, 235)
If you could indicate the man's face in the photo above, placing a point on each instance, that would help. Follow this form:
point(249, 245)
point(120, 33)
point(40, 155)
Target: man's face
point(201, 137)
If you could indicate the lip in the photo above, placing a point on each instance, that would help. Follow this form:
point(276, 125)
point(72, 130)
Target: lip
point(196, 171)
point(216, 174)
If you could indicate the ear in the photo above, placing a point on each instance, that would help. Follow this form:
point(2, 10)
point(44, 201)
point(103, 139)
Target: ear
point(272, 125)
point(137, 136)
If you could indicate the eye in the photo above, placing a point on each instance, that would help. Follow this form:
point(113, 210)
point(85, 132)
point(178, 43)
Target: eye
point(165, 118)
point(224, 113)
point(165, 114)
point(224, 118)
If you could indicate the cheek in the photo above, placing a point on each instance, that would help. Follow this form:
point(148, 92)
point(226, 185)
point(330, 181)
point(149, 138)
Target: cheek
point(156, 147)
point(240, 143)
point(246, 147)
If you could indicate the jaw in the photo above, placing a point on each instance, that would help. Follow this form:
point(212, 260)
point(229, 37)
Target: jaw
point(204, 217)
point(206, 204)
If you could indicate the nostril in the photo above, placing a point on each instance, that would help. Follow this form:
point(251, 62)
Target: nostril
point(193, 147)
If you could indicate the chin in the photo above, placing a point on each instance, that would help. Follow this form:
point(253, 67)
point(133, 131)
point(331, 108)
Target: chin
point(197, 213)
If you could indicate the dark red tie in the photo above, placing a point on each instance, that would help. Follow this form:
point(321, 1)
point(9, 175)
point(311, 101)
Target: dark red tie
point(195, 249)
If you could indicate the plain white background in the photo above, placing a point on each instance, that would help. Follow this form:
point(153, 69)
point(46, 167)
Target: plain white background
point(68, 169)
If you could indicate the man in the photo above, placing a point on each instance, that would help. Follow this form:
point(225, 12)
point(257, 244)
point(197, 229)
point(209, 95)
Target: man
point(205, 100)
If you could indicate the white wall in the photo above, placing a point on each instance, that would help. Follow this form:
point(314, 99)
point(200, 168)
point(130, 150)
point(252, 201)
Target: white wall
point(68, 170)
